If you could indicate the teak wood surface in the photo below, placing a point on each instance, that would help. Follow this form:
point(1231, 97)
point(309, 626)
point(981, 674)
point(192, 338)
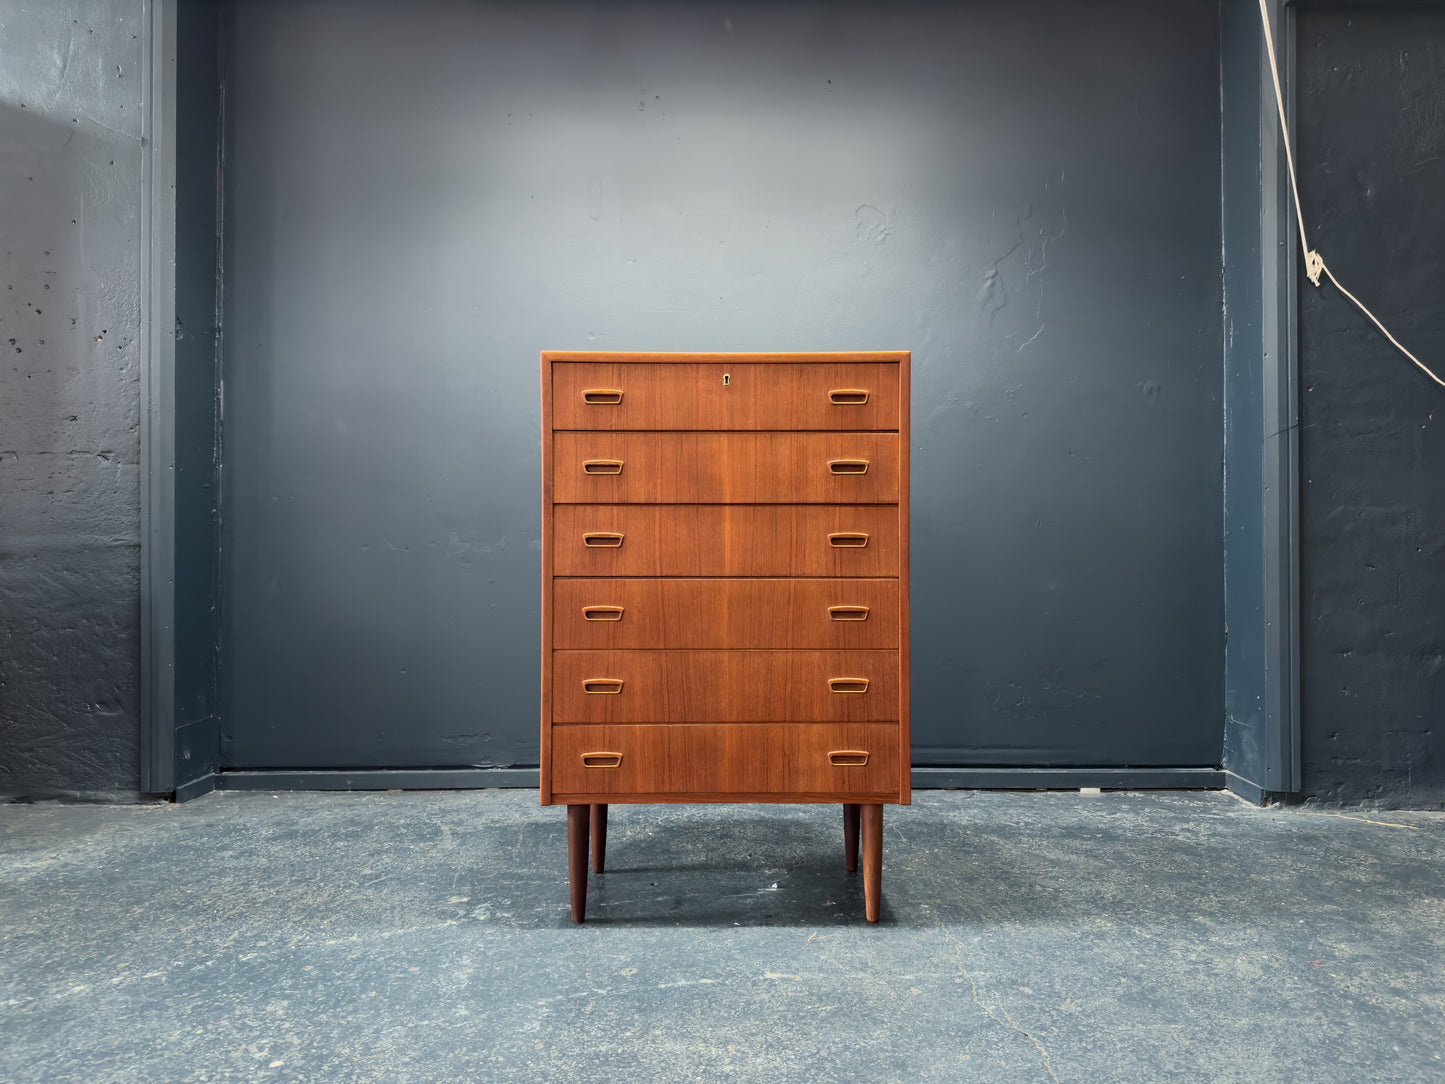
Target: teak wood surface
point(724, 468)
point(686, 395)
point(706, 511)
point(673, 614)
point(723, 540)
point(723, 686)
point(727, 762)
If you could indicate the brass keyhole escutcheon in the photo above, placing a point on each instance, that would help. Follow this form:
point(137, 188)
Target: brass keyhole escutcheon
point(727, 379)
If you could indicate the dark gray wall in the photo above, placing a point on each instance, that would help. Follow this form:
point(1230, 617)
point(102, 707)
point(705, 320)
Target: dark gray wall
point(68, 406)
point(1261, 462)
point(200, 46)
point(1372, 154)
point(70, 89)
point(420, 197)
point(1244, 376)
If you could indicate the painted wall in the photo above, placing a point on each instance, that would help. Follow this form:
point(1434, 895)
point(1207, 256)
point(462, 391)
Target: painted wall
point(69, 186)
point(1245, 641)
point(70, 169)
point(422, 197)
point(1371, 136)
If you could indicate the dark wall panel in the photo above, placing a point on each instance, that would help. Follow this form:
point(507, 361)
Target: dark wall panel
point(1372, 152)
point(1244, 411)
point(423, 196)
point(199, 108)
point(70, 90)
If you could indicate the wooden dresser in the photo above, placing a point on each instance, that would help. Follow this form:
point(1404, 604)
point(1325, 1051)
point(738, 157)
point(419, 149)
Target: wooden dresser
point(724, 588)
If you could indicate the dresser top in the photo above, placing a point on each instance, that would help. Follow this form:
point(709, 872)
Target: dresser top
point(731, 358)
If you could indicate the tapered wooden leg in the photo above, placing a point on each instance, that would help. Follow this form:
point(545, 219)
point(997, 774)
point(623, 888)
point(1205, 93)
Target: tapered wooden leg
point(850, 836)
point(577, 859)
point(872, 860)
point(599, 837)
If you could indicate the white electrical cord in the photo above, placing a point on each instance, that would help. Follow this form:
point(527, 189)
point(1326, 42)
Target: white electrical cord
point(1314, 262)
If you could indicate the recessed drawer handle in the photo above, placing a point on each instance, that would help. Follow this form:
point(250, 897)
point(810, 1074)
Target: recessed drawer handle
point(602, 396)
point(846, 685)
point(837, 466)
point(601, 466)
point(848, 613)
point(602, 686)
point(602, 540)
point(848, 758)
point(614, 760)
point(848, 396)
point(842, 540)
point(602, 613)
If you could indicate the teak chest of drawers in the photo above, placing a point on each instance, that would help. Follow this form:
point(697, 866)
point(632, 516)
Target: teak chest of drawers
point(724, 588)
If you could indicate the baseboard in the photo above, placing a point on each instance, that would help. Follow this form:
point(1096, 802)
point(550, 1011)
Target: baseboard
point(529, 778)
point(1068, 778)
point(196, 787)
point(383, 779)
point(1250, 792)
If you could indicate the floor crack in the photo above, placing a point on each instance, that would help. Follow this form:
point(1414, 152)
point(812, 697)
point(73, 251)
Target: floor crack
point(1007, 1020)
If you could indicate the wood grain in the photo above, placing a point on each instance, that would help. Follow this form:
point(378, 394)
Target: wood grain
point(724, 540)
point(599, 838)
point(872, 817)
point(548, 536)
point(664, 357)
point(723, 686)
point(905, 736)
point(724, 468)
point(746, 761)
point(851, 824)
point(577, 833)
point(675, 614)
point(754, 504)
point(692, 396)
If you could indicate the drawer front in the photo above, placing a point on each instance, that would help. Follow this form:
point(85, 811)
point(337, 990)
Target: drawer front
point(611, 614)
point(724, 686)
point(725, 468)
point(725, 540)
point(621, 395)
point(726, 761)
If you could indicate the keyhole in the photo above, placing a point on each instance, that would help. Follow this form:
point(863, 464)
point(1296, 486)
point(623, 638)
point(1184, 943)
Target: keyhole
point(727, 379)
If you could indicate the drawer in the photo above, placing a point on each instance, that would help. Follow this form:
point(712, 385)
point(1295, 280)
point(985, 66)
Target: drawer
point(724, 540)
point(724, 686)
point(727, 762)
point(610, 614)
point(724, 395)
point(725, 468)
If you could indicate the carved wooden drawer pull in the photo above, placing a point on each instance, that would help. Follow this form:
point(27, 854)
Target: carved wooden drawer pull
point(848, 685)
point(840, 466)
point(602, 396)
point(602, 540)
point(601, 466)
point(848, 396)
point(848, 613)
point(602, 613)
point(602, 686)
point(610, 760)
point(848, 758)
point(847, 540)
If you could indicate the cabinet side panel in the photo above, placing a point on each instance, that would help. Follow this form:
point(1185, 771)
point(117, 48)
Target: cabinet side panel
point(546, 622)
point(905, 486)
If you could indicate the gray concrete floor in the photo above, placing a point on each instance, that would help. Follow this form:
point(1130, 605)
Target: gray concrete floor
point(424, 937)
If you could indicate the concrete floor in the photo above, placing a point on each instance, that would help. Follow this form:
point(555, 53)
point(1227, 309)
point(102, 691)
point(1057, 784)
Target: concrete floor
point(424, 937)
